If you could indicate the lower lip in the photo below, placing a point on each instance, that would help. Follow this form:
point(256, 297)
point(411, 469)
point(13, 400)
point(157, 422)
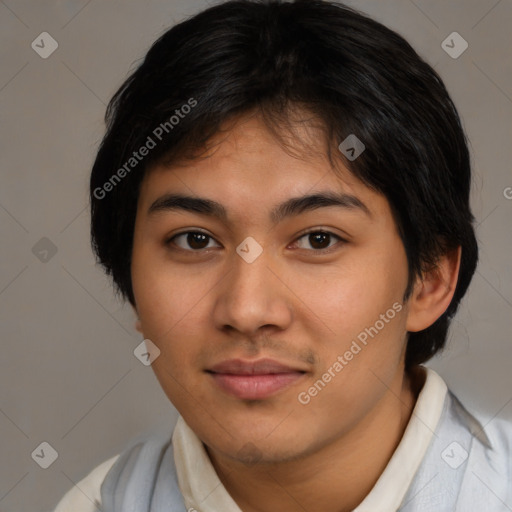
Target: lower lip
point(255, 387)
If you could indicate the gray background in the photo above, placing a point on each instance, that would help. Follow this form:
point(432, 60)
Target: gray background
point(68, 375)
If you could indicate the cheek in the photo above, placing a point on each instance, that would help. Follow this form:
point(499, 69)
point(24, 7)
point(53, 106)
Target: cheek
point(168, 296)
point(174, 309)
point(364, 322)
point(352, 295)
point(358, 365)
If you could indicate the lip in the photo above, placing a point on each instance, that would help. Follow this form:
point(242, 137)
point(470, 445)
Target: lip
point(254, 380)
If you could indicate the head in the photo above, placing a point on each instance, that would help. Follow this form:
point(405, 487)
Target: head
point(248, 105)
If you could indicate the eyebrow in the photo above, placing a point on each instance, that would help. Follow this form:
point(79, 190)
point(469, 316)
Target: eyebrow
point(291, 207)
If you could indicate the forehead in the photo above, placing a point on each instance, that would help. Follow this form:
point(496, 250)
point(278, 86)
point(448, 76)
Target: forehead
point(247, 169)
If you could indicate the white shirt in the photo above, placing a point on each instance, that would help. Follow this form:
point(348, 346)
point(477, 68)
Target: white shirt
point(203, 490)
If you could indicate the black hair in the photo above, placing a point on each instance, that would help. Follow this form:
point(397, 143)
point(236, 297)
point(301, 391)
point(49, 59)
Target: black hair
point(352, 73)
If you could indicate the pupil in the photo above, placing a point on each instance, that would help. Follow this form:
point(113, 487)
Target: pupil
point(192, 239)
point(318, 238)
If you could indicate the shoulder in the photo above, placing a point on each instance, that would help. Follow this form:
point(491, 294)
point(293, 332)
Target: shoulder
point(85, 496)
point(142, 452)
point(499, 451)
point(487, 463)
point(145, 449)
point(493, 434)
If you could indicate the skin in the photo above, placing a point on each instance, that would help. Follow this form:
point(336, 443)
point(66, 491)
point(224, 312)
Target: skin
point(295, 303)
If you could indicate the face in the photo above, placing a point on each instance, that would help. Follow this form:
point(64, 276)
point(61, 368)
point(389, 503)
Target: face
point(279, 318)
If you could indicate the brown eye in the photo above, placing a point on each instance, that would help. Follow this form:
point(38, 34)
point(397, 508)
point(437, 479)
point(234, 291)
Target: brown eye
point(195, 240)
point(318, 240)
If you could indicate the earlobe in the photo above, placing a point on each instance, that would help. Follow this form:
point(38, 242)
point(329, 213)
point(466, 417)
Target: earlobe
point(433, 292)
point(138, 325)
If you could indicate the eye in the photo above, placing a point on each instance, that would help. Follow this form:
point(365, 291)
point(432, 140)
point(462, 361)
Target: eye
point(196, 240)
point(319, 240)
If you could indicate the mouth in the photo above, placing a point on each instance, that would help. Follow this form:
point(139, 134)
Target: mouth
point(254, 380)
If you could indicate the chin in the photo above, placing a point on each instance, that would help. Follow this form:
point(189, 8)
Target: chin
point(269, 443)
point(254, 452)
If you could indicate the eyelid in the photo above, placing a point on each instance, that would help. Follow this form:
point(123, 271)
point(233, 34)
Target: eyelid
point(320, 229)
point(189, 230)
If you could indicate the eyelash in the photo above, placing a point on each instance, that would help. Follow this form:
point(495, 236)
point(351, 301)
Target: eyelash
point(170, 241)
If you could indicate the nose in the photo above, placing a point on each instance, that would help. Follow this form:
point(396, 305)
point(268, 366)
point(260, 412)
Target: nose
point(253, 296)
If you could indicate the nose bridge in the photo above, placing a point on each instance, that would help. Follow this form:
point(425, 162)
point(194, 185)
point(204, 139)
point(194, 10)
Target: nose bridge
point(250, 273)
point(251, 296)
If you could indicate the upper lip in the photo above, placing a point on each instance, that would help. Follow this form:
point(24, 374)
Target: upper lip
point(258, 367)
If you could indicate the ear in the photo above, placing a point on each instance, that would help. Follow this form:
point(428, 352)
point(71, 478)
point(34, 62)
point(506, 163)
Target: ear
point(138, 325)
point(433, 292)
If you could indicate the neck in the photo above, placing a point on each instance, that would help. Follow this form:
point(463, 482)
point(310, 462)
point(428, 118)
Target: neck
point(336, 478)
